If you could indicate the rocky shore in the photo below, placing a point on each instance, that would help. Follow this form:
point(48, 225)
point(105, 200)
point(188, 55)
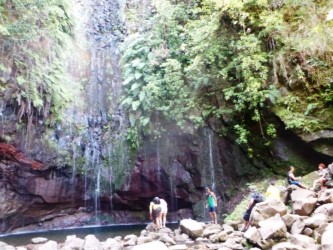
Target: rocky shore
point(302, 221)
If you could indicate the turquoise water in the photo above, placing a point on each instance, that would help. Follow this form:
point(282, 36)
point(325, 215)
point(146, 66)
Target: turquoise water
point(101, 233)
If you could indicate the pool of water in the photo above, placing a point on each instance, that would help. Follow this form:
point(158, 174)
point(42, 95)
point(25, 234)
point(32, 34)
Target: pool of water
point(101, 233)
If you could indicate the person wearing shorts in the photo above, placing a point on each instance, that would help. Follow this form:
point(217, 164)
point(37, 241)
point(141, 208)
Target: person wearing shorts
point(211, 204)
point(155, 212)
point(164, 211)
point(324, 174)
point(292, 180)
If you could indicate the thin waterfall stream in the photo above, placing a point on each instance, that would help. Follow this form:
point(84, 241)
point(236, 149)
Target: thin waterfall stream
point(101, 74)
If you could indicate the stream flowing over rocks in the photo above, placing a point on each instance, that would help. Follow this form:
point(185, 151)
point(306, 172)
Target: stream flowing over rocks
point(273, 226)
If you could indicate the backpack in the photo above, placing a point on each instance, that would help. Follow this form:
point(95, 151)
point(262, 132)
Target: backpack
point(258, 197)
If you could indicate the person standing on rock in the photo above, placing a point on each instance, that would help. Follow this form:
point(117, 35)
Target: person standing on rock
point(256, 197)
point(164, 211)
point(292, 180)
point(155, 212)
point(211, 204)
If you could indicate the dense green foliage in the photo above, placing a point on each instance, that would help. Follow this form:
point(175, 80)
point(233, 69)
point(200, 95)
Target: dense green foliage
point(33, 34)
point(234, 61)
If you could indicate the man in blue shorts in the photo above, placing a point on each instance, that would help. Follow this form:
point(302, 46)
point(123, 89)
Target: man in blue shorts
point(211, 204)
point(293, 180)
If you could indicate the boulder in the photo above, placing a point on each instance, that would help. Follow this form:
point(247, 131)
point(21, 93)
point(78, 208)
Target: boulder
point(211, 229)
point(286, 246)
point(191, 227)
point(50, 245)
point(39, 240)
point(304, 241)
point(178, 247)
point(4, 246)
point(151, 246)
point(304, 206)
point(167, 239)
point(91, 243)
point(327, 237)
point(289, 219)
point(318, 232)
point(301, 193)
point(73, 242)
point(181, 238)
point(326, 196)
point(110, 244)
point(144, 239)
point(273, 227)
point(227, 228)
point(326, 209)
point(233, 224)
point(307, 231)
point(297, 227)
point(316, 220)
point(283, 193)
point(153, 235)
point(267, 209)
point(253, 235)
point(222, 236)
point(130, 240)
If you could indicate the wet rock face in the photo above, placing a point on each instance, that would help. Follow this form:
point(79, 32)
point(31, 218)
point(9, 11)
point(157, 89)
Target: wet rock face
point(25, 183)
point(166, 169)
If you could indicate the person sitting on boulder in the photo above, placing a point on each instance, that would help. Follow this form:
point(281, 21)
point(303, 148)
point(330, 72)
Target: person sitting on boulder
point(324, 176)
point(292, 180)
point(256, 197)
point(155, 212)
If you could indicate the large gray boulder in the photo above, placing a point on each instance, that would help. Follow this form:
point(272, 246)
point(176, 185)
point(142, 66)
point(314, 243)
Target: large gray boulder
point(72, 242)
point(151, 246)
point(326, 196)
point(304, 206)
point(327, 238)
point(267, 209)
point(273, 227)
point(110, 244)
point(316, 220)
point(326, 209)
point(211, 229)
point(91, 243)
point(297, 227)
point(191, 227)
point(289, 219)
point(50, 245)
point(301, 193)
point(286, 246)
point(253, 235)
point(304, 241)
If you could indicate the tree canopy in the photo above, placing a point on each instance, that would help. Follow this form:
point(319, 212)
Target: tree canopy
point(234, 61)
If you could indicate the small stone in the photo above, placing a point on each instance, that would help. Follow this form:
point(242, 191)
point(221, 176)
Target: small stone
point(39, 240)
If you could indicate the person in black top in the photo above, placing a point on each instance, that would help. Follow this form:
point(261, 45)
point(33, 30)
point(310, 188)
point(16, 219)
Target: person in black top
point(292, 180)
point(256, 197)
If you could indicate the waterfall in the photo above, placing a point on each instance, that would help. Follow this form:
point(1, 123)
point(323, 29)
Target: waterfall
point(158, 161)
point(211, 161)
point(98, 33)
point(207, 158)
